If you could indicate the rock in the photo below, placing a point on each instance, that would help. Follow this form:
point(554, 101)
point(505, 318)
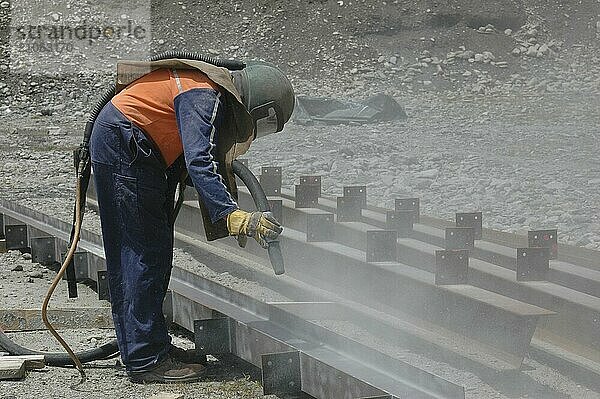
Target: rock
point(36, 274)
point(423, 183)
point(427, 82)
point(532, 51)
point(26, 256)
point(393, 60)
point(5, 4)
point(516, 51)
point(17, 268)
point(508, 32)
point(381, 59)
point(467, 74)
point(428, 174)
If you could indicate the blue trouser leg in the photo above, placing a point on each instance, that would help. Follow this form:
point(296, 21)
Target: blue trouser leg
point(135, 201)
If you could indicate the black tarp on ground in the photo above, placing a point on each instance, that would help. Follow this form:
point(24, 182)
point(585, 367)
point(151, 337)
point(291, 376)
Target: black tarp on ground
point(380, 107)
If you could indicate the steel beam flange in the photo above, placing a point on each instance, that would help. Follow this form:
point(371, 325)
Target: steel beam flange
point(16, 237)
point(409, 204)
point(471, 219)
point(281, 373)
point(213, 336)
point(103, 285)
point(451, 267)
point(533, 264)
point(270, 180)
point(544, 239)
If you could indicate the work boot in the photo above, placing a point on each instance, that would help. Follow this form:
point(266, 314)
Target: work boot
point(187, 355)
point(169, 371)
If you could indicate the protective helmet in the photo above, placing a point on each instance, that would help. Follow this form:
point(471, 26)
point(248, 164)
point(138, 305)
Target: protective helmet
point(267, 94)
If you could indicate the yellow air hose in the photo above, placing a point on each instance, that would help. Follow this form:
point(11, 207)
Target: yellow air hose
point(59, 277)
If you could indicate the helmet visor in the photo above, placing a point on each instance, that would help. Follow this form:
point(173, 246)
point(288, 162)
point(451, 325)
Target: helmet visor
point(266, 120)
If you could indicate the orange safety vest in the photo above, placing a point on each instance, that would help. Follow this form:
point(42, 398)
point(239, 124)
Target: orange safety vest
point(148, 102)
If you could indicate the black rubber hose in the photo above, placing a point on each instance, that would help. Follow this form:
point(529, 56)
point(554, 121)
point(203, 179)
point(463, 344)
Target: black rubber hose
point(262, 204)
point(60, 359)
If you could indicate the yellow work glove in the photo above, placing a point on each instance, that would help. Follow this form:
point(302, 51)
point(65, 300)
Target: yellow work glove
point(262, 226)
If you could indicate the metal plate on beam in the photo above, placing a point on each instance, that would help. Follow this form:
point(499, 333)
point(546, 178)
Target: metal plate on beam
point(401, 221)
point(43, 250)
point(307, 195)
point(381, 245)
point(80, 262)
point(213, 336)
point(473, 220)
point(103, 285)
point(357, 192)
point(319, 227)
point(270, 180)
point(532, 264)
point(451, 267)
point(544, 239)
point(16, 237)
point(409, 204)
point(349, 209)
point(281, 373)
point(459, 238)
point(313, 179)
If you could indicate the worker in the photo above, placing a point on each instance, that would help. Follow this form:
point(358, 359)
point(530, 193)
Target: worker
point(177, 116)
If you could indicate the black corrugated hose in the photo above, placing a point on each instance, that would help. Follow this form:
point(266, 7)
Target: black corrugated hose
point(83, 168)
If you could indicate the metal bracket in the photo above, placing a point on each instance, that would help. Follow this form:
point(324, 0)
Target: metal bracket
point(544, 239)
point(16, 237)
point(43, 250)
point(270, 180)
point(357, 192)
point(473, 220)
point(459, 238)
point(308, 192)
point(213, 336)
point(103, 285)
point(319, 227)
point(451, 267)
point(281, 373)
point(409, 204)
point(381, 245)
point(532, 264)
point(80, 263)
point(401, 221)
point(276, 206)
point(349, 209)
